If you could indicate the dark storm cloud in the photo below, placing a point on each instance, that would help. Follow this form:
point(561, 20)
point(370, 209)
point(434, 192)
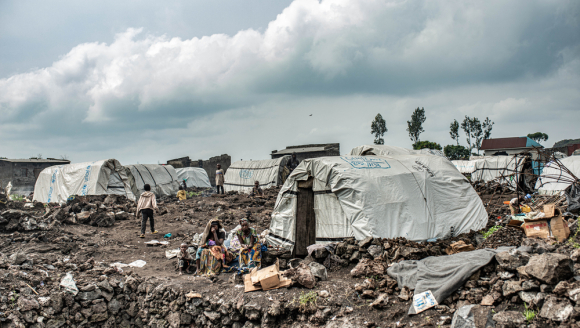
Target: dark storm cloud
point(146, 87)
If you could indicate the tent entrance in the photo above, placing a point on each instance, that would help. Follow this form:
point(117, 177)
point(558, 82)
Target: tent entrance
point(305, 218)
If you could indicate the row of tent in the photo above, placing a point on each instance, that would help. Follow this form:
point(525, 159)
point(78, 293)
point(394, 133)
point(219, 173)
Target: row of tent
point(56, 184)
point(552, 178)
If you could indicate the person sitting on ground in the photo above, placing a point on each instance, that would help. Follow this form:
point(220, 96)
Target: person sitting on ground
point(210, 254)
point(185, 260)
point(515, 205)
point(257, 191)
point(251, 249)
point(147, 203)
point(181, 194)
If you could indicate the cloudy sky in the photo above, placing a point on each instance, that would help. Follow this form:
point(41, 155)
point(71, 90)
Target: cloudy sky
point(147, 81)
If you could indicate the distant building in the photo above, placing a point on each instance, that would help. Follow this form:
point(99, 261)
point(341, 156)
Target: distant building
point(566, 146)
point(208, 165)
point(508, 146)
point(309, 151)
point(24, 172)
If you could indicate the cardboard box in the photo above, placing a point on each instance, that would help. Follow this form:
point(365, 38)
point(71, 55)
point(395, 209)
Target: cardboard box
point(536, 228)
point(549, 210)
point(553, 227)
point(265, 279)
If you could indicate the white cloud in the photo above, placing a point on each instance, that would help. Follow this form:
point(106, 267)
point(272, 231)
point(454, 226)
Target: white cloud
point(342, 59)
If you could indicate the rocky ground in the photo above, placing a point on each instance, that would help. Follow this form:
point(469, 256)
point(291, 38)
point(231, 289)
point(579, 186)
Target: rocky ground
point(345, 288)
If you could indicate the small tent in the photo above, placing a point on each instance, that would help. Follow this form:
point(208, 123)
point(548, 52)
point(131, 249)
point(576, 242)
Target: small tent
point(161, 178)
point(506, 169)
point(241, 175)
point(384, 150)
point(107, 177)
point(555, 178)
point(193, 177)
point(418, 197)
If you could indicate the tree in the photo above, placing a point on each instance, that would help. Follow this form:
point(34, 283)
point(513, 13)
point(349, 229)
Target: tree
point(454, 131)
point(487, 126)
point(538, 136)
point(426, 144)
point(473, 132)
point(415, 125)
point(456, 152)
point(378, 128)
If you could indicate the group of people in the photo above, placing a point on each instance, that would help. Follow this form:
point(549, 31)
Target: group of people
point(243, 252)
point(213, 256)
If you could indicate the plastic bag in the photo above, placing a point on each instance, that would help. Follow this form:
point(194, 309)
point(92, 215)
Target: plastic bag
point(68, 283)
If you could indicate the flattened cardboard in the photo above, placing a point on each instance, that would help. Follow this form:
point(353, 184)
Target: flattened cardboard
point(560, 229)
point(549, 210)
point(265, 279)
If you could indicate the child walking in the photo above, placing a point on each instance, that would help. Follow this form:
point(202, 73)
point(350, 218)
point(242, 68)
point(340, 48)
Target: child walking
point(147, 203)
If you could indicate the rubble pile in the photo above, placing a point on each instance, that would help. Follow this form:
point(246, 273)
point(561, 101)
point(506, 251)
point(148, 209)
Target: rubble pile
point(337, 285)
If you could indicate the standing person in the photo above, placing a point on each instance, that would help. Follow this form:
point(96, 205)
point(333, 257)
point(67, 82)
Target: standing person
point(219, 178)
point(147, 203)
point(293, 163)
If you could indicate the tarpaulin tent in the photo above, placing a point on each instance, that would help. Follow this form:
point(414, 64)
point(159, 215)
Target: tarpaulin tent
point(506, 169)
point(384, 150)
point(418, 197)
point(241, 175)
point(555, 179)
point(161, 178)
point(193, 176)
point(56, 183)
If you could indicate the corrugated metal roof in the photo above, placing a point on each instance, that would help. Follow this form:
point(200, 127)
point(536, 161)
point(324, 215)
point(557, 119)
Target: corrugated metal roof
point(34, 160)
point(299, 150)
point(509, 143)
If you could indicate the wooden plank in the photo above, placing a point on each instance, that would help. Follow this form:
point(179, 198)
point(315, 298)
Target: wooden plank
point(305, 221)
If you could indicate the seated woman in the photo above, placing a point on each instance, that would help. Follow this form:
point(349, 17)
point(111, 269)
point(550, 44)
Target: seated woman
point(250, 248)
point(210, 254)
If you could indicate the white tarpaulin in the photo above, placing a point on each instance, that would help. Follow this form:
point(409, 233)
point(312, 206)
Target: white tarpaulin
point(418, 197)
point(56, 183)
point(465, 167)
point(554, 180)
point(241, 175)
point(503, 167)
point(193, 176)
point(384, 150)
point(161, 178)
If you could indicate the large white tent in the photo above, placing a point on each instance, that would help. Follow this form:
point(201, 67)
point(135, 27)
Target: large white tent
point(419, 197)
point(241, 175)
point(193, 177)
point(554, 179)
point(56, 183)
point(161, 178)
point(385, 150)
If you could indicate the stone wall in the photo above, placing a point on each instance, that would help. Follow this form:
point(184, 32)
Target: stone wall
point(23, 175)
point(208, 165)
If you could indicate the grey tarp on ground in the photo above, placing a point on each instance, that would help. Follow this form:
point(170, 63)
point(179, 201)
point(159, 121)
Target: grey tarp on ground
point(442, 275)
